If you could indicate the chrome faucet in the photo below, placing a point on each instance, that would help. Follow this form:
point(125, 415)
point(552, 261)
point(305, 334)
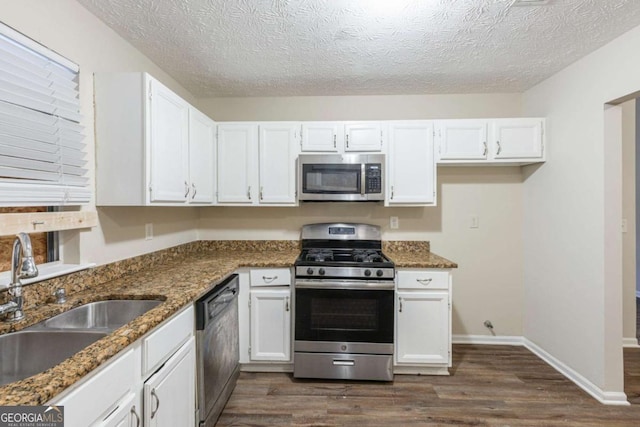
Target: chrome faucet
point(22, 267)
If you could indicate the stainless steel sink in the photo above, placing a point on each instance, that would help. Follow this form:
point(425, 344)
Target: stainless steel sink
point(101, 315)
point(26, 353)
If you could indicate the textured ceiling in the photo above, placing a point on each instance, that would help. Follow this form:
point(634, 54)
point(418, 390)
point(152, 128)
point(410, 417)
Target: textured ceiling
point(347, 47)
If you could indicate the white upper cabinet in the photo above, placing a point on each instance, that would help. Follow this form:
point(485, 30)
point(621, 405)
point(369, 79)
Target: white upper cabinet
point(257, 163)
point(363, 136)
point(202, 154)
point(278, 150)
point(168, 145)
point(149, 150)
point(322, 136)
point(462, 139)
point(517, 141)
point(411, 165)
point(237, 166)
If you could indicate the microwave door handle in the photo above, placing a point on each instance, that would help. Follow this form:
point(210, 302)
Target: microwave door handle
point(363, 178)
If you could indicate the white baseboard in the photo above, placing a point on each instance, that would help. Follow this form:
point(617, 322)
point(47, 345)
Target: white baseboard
point(487, 339)
point(630, 343)
point(605, 397)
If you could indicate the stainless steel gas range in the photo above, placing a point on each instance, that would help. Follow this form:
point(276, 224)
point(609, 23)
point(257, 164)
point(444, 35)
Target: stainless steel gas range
point(344, 292)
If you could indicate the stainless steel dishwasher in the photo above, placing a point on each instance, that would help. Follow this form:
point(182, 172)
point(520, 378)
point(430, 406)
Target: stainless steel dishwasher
point(217, 349)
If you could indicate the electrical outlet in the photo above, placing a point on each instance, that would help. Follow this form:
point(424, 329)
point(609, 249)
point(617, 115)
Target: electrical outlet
point(148, 231)
point(625, 226)
point(394, 222)
point(474, 221)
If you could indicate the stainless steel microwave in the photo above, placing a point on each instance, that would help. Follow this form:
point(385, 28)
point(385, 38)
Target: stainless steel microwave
point(341, 177)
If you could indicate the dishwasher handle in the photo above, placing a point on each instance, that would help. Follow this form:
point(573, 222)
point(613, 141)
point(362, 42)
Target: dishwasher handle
point(215, 301)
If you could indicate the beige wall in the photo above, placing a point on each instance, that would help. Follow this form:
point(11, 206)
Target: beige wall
point(572, 211)
point(488, 284)
point(69, 29)
point(629, 213)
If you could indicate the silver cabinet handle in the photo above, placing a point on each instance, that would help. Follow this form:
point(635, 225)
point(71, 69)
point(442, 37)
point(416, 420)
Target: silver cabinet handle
point(268, 279)
point(193, 186)
point(135, 414)
point(400, 304)
point(186, 189)
point(261, 189)
point(286, 303)
point(499, 148)
point(424, 282)
point(154, 395)
point(249, 192)
point(334, 141)
point(347, 136)
point(484, 153)
point(392, 192)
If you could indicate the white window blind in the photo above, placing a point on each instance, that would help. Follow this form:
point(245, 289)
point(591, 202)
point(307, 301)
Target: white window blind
point(42, 150)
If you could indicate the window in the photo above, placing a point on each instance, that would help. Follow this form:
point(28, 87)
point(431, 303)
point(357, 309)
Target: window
point(42, 153)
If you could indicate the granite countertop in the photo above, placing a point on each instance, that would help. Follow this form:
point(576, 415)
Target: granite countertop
point(178, 281)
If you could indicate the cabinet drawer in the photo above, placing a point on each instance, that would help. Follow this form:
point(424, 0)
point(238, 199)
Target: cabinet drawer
point(271, 277)
point(423, 279)
point(100, 393)
point(161, 344)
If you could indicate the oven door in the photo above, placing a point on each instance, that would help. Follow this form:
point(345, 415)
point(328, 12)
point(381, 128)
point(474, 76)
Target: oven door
point(340, 315)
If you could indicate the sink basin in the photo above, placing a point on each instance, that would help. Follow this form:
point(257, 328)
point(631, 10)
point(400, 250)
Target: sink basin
point(101, 315)
point(26, 353)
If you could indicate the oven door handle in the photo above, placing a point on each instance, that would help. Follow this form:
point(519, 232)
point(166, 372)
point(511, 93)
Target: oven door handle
point(346, 285)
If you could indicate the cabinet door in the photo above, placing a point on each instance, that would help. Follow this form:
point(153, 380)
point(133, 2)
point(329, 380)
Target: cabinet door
point(168, 145)
point(363, 136)
point(202, 155)
point(271, 324)
point(518, 139)
point(422, 322)
point(170, 394)
point(126, 414)
point(321, 136)
point(237, 149)
point(462, 140)
point(411, 164)
point(278, 151)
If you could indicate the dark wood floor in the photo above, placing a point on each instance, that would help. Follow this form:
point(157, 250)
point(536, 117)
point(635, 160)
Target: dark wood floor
point(489, 386)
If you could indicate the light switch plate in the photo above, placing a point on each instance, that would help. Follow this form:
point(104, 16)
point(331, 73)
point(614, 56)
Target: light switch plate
point(394, 222)
point(148, 231)
point(474, 221)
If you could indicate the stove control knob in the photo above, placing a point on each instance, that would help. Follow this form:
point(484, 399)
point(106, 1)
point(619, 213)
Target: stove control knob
point(309, 271)
point(379, 273)
point(367, 273)
point(321, 271)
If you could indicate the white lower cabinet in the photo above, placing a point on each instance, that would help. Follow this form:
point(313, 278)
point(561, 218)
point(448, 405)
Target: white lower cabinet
point(126, 414)
point(271, 324)
point(423, 322)
point(265, 309)
point(116, 393)
point(169, 394)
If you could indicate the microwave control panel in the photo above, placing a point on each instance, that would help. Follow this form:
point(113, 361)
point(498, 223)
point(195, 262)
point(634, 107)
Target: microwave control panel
point(373, 178)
